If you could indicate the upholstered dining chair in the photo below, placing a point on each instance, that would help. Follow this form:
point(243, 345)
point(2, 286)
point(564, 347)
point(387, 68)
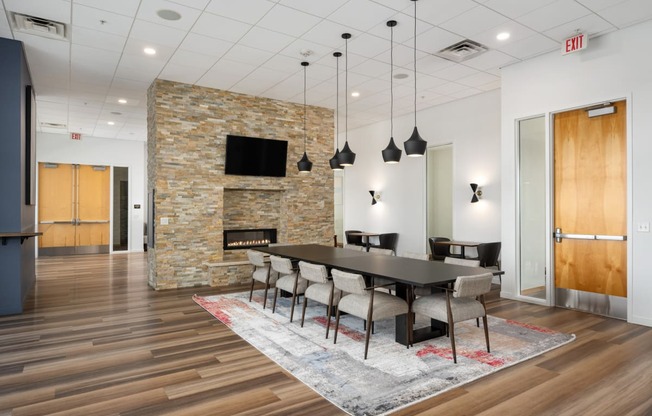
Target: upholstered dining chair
point(354, 247)
point(289, 280)
point(462, 262)
point(383, 251)
point(353, 239)
point(367, 303)
point(379, 280)
point(320, 289)
point(418, 256)
point(387, 240)
point(439, 251)
point(465, 301)
point(261, 273)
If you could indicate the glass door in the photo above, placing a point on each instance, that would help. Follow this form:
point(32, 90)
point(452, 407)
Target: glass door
point(532, 207)
point(120, 209)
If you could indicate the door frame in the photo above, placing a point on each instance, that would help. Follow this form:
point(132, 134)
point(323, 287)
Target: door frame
point(549, 139)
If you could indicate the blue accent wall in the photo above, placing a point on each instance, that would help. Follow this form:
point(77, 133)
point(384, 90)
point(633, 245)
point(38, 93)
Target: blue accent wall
point(17, 271)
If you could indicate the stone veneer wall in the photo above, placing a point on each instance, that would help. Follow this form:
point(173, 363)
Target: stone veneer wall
point(187, 127)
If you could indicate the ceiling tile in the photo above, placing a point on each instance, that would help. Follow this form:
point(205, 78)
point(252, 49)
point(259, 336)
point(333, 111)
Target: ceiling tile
point(516, 32)
point(101, 20)
point(266, 40)
point(529, 47)
point(319, 8)
point(590, 24)
point(455, 72)
point(158, 34)
point(361, 14)
point(250, 11)
point(195, 4)
point(628, 12)
point(431, 64)
point(225, 74)
point(206, 45)
point(481, 78)
point(260, 80)
point(554, 14)
point(474, 21)
point(148, 11)
point(192, 59)
point(404, 29)
point(368, 45)
point(515, 8)
point(372, 68)
point(124, 7)
point(289, 21)
point(436, 39)
point(597, 5)
point(247, 55)
point(491, 59)
point(93, 38)
point(328, 33)
point(220, 27)
point(136, 46)
point(440, 11)
point(283, 63)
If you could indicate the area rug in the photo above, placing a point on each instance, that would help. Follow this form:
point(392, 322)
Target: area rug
point(392, 376)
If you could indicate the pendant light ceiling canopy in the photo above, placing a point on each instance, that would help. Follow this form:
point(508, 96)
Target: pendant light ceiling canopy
point(304, 165)
point(335, 160)
point(415, 146)
point(346, 156)
point(391, 154)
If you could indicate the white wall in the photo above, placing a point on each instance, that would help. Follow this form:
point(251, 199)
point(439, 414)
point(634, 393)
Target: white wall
point(615, 66)
point(59, 148)
point(472, 125)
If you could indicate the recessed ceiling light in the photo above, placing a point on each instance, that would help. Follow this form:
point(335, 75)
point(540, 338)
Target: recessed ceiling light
point(503, 36)
point(150, 51)
point(167, 14)
point(400, 76)
point(355, 94)
point(122, 101)
point(110, 123)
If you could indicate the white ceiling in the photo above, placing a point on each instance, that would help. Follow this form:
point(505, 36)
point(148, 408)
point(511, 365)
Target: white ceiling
point(254, 47)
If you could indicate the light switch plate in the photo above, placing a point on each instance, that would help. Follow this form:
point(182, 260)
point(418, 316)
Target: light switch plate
point(643, 227)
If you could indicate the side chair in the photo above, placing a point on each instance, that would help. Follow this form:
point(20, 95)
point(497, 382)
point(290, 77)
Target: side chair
point(320, 289)
point(261, 273)
point(289, 280)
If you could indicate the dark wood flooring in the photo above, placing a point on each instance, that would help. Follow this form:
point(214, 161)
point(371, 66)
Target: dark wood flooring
point(96, 340)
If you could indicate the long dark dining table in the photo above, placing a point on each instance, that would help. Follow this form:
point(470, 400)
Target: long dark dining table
point(406, 272)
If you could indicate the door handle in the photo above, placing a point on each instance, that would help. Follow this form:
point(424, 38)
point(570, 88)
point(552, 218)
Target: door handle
point(558, 235)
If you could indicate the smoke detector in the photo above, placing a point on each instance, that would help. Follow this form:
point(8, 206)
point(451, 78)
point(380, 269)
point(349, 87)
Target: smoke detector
point(38, 26)
point(462, 51)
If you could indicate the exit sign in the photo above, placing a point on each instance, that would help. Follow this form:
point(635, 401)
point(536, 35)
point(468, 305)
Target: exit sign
point(575, 43)
point(75, 136)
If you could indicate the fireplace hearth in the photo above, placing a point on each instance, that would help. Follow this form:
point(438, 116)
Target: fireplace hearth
point(244, 239)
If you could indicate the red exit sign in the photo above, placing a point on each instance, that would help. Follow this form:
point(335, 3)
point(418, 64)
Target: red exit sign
point(75, 136)
point(575, 43)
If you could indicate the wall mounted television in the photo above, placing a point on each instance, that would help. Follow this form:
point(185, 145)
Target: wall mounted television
point(253, 156)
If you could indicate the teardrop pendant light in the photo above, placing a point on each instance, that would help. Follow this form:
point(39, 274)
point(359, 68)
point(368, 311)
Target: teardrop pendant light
point(391, 154)
point(304, 165)
point(335, 160)
point(415, 146)
point(346, 157)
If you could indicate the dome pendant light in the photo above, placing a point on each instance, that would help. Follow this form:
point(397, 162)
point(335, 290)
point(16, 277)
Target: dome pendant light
point(415, 146)
point(335, 160)
point(346, 157)
point(304, 165)
point(391, 154)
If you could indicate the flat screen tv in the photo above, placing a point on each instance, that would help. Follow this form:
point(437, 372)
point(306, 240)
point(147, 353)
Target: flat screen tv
point(255, 157)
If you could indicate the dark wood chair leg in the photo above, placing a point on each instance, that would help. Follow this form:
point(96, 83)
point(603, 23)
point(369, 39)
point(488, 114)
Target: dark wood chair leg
point(294, 296)
point(329, 310)
point(486, 331)
point(274, 304)
point(251, 292)
point(267, 285)
point(451, 325)
point(337, 324)
point(303, 313)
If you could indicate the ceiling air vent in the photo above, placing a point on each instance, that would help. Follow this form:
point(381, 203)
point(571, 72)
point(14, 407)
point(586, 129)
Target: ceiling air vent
point(461, 51)
point(40, 27)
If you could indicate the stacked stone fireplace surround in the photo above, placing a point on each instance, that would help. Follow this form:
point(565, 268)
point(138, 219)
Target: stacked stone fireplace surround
point(187, 129)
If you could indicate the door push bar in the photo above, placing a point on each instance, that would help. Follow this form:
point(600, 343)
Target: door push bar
point(559, 236)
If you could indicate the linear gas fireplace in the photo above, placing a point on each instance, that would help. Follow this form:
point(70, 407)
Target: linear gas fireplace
point(241, 239)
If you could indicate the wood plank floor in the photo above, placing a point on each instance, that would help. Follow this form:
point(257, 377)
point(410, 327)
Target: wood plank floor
point(95, 339)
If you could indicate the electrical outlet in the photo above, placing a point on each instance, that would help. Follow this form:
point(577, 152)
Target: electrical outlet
point(165, 221)
point(643, 227)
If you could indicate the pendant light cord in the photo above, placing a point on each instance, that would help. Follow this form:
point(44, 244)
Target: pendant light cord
point(337, 101)
point(391, 82)
point(305, 112)
point(346, 89)
point(415, 62)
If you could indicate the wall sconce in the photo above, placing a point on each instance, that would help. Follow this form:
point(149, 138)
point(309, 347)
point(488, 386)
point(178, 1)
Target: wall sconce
point(477, 193)
point(375, 197)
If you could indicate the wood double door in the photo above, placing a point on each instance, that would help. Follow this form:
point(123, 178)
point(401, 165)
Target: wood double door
point(74, 209)
point(590, 215)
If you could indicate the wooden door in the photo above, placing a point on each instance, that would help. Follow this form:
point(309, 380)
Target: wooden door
point(590, 200)
point(74, 208)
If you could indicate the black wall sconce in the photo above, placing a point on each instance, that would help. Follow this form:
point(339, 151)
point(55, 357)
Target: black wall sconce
point(375, 197)
point(477, 193)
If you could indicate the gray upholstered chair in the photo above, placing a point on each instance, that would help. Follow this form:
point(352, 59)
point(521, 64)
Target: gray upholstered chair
point(354, 247)
point(367, 303)
point(383, 251)
point(288, 280)
point(465, 301)
point(261, 273)
point(418, 256)
point(320, 289)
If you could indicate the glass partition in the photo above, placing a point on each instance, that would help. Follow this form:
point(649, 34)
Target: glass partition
point(120, 209)
point(532, 207)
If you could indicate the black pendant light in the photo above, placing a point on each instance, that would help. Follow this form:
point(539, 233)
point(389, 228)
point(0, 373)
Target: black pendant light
point(304, 165)
point(391, 154)
point(415, 146)
point(335, 160)
point(346, 157)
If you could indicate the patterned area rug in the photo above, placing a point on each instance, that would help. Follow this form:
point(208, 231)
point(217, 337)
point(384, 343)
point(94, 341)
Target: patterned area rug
point(392, 376)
